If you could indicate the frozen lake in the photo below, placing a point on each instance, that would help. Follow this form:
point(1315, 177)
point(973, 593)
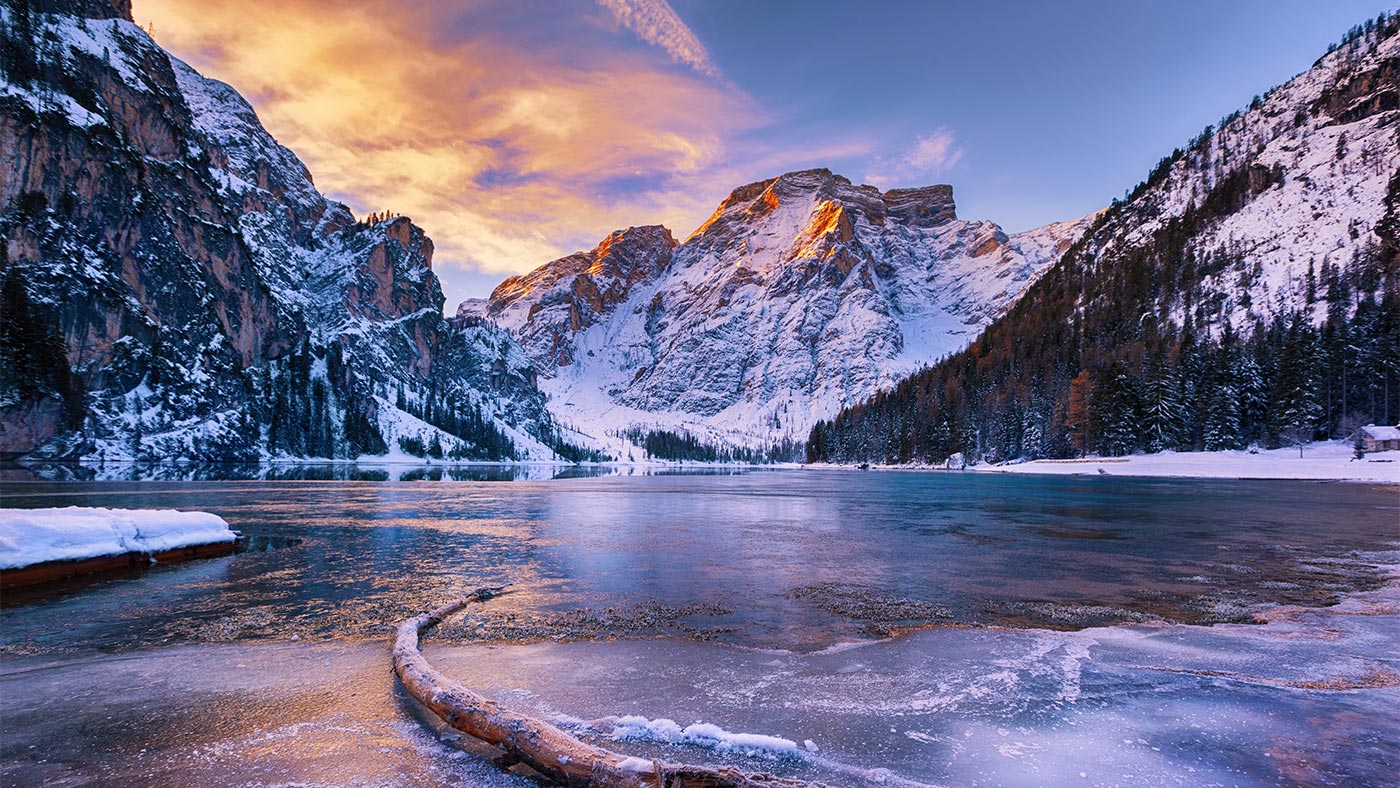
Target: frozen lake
point(929, 628)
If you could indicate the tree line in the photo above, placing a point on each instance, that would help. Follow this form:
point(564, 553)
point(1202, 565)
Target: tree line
point(663, 444)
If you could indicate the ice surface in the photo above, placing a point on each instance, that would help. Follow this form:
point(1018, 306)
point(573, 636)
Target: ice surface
point(1308, 698)
point(32, 536)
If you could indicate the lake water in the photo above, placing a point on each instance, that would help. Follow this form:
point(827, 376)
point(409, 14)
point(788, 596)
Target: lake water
point(949, 628)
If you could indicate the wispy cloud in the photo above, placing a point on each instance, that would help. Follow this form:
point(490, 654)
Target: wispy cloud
point(930, 156)
point(658, 24)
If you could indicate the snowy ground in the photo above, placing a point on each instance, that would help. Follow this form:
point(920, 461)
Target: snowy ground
point(34, 536)
point(1329, 460)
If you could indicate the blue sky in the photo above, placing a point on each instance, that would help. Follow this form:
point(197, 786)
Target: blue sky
point(518, 131)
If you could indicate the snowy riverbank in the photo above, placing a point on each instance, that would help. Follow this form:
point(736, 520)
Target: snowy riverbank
point(37, 536)
point(1333, 460)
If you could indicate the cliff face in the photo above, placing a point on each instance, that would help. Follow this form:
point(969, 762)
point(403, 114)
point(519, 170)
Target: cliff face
point(799, 295)
point(208, 301)
point(570, 295)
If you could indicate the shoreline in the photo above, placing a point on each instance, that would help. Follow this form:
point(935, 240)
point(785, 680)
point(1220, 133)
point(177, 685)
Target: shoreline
point(1322, 461)
point(46, 572)
point(455, 635)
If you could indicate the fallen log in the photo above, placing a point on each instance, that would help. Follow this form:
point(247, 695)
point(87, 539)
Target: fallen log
point(558, 756)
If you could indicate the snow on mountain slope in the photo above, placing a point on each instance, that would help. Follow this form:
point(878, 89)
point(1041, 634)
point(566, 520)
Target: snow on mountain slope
point(799, 295)
point(1315, 158)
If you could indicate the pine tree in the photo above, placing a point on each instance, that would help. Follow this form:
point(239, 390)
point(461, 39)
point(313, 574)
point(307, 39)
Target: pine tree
point(1252, 389)
point(1163, 415)
point(1033, 438)
point(1116, 412)
point(1294, 409)
point(137, 438)
point(1078, 421)
point(1222, 428)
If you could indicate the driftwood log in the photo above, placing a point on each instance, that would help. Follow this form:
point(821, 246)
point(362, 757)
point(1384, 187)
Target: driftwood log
point(551, 752)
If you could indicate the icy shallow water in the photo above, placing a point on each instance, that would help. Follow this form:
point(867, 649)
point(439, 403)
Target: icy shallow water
point(938, 629)
point(1309, 699)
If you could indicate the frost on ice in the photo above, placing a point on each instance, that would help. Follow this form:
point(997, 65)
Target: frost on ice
point(637, 728)
point(34, 536)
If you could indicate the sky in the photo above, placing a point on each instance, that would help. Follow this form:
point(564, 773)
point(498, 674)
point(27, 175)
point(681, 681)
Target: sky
point(518, 131)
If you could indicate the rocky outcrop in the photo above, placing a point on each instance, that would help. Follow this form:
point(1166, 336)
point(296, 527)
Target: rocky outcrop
point(799, 295)
point(209, 301)
point(569, 295)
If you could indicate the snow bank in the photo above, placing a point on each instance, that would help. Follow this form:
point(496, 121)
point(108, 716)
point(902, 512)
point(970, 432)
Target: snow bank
point(33, 536)
point(1329, 460)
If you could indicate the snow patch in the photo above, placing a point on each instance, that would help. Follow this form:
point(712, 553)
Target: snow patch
point(639, 765)
point(33, 536)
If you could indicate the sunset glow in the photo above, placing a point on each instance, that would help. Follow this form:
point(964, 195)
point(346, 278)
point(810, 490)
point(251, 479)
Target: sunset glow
point(508, 156)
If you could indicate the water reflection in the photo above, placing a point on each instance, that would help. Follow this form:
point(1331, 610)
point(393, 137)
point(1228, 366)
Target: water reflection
point(784, 559)
point(341, 472)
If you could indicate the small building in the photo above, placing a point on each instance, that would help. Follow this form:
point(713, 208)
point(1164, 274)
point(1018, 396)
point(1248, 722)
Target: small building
point(1373, 438)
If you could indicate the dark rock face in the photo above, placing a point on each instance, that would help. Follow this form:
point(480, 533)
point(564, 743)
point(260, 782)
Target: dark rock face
point(90, 9)
point(928, 206)
point(209, 301)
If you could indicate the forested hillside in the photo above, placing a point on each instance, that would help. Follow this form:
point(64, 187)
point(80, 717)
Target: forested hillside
point(1247, 292)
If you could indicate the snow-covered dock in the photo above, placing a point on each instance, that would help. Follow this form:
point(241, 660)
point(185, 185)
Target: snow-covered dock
point(38, 545)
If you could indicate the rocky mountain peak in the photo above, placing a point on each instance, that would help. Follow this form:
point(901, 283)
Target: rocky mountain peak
point(925, 206)
point(800, 293)
point(572, 293)
point(628, 255)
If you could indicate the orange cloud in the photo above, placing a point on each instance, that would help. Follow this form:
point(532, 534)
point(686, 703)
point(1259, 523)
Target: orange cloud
point(508, 153)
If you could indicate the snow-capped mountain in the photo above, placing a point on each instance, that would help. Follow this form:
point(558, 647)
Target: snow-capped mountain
point(189, 293)
point(799, 295)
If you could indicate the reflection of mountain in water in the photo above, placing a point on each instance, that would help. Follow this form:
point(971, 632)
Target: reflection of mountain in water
point(338, 472)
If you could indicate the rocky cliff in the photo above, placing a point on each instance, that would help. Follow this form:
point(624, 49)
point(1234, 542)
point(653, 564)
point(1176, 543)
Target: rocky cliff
point(799, 295)
point(192, 295)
